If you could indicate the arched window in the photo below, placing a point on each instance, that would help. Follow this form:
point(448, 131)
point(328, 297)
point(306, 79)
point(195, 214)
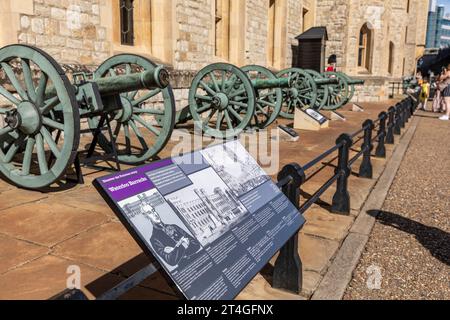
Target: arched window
point(365, 47)
point(127, 22)
point(391, 58)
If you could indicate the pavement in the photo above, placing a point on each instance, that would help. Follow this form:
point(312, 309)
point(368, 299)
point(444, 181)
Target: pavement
point(408, 253)
point(44, 235)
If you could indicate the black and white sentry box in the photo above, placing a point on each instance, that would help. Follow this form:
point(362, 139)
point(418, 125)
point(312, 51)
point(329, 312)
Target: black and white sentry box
point(212, 219)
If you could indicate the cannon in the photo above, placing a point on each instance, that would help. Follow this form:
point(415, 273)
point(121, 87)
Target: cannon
point(225, 100)
point(328, 91)
point(40, 134)
point(336, 89)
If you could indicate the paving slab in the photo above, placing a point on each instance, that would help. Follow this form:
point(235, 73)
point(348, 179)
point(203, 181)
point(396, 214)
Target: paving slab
point(105, 247)
point(4, 186)
point(316, 253)
point(15, 253)
point(84, 198)
point(311, 281)
point(260, 289)
point(47, 223)
point(322, 223)
point(42, 279)
point(15, 197)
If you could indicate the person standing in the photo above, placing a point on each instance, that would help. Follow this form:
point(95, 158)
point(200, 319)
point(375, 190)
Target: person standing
point(437, 99)
point(424, 94)
point(332, 62)
point(446, 93)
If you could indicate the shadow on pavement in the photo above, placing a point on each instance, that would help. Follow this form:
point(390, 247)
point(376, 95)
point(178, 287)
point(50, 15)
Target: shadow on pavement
point(433, 239)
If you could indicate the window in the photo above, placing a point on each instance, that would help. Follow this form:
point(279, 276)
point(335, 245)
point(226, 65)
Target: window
point(143, 27)
point(271, 34)
point(222, 37)
point(365, 47)
point(406, 34)
point(228, 36)
point(127, 22)
point(407, 6)
point(391, 58)
point(308, 19)
point(277, 34)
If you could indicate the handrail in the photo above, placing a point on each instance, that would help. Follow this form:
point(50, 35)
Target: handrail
point(288, 268)
point(312, 163)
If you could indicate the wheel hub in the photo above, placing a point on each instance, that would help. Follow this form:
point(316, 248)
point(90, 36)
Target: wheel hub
point(27, 118)
point(220, 101)
point(293, 93)
point(13, 119)
point(127, 110)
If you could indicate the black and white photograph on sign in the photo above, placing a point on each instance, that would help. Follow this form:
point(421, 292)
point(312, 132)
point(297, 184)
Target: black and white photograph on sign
point(208, 206)
point(236, 167)
point(161, 228)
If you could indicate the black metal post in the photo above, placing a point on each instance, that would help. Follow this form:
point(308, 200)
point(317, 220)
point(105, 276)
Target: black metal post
point(366, 168)
point(380, 152)
point(341, 199)
point(397, 126)
point(390, 139)
point(288, 273)
point(411, 106)
point(408, 110)
point(402, 114)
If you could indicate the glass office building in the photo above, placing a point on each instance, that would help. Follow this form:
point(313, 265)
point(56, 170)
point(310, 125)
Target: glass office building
point(438, 30)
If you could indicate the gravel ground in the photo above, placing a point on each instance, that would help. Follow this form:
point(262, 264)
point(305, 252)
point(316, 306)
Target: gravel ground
point(410, 243)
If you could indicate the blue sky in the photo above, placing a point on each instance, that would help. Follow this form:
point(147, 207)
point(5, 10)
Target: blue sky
point(445, 3)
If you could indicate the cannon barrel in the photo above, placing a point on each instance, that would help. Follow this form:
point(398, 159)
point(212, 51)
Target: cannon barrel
point(156, 78)
point(326, 81)
point(356, 82)
point(272, 83)
point(265, 83)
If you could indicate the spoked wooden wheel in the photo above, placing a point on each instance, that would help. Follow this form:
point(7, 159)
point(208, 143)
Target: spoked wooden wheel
point(351, 87)
point(339, 93)
point(322, 90)
point(268, 101)
point(39, 132)
point(303, 95)
point(139, 136)
point(222, 100)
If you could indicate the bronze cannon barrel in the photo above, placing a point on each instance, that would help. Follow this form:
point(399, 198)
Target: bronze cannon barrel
point(326, 81)
point(157, 78)
point(356, 82)
point(265, 83)
point(151, 79)
point(272, 83)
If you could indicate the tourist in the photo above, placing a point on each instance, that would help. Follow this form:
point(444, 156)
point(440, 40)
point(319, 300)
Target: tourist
point(445, 78)
point(438, 101)
point(424, 94)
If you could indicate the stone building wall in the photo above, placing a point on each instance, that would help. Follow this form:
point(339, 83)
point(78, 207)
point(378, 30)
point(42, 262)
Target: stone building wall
point(81, 32)
point(390, 21)
point(294, 27)
point(194, 48)
point(70, 31)
point(334, 14)
point(256, 35)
